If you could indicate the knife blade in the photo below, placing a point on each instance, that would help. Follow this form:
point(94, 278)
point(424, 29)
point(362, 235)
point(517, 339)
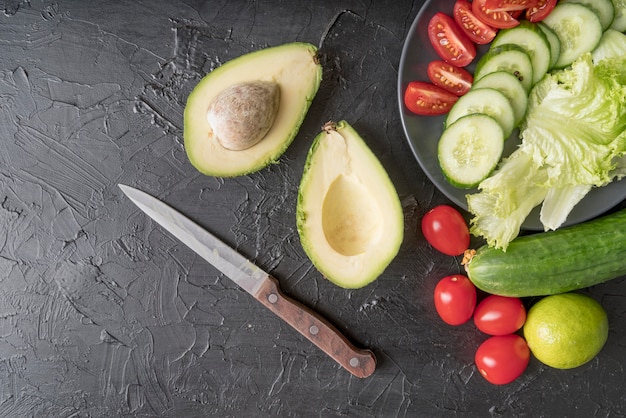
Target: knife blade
point(260, 284)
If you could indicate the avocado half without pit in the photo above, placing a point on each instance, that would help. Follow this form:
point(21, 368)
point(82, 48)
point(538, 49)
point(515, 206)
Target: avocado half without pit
point(243, 115)
point(349, 216)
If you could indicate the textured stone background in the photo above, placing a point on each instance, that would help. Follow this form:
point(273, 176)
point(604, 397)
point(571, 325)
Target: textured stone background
point(104, 314)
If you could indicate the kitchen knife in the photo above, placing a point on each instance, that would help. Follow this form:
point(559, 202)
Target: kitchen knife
point(261, 285)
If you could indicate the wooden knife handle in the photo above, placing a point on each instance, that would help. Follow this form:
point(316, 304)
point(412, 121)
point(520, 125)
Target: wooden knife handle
point(359, 362)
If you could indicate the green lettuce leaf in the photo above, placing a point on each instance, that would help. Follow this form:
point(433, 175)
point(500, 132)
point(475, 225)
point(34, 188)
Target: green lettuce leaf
point(573, 139)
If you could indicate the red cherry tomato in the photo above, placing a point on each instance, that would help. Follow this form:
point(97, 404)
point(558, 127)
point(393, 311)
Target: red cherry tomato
point(474, 28)
point(455, 299)
point(503, 358)
point(499, 315)
point(509, 5)
point(494, 18)
point(445, 229)
point(424, 98)
point(454, 79)
point(540, 10)
point(449, 41)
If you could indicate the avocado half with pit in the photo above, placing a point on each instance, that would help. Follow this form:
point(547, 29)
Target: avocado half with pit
point(349, 216)
point(243, 115)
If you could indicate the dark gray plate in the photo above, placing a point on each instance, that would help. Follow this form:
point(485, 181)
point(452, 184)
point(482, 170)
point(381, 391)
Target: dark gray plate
point(423, 132)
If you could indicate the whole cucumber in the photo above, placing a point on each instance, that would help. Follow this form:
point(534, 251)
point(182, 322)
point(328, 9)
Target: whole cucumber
point(553, 262)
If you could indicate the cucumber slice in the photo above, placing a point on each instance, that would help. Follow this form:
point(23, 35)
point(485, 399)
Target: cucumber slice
point(511, 87)
point(578, 29)
point(530, 37)
point(510, 58)
point(619, 20)
point(553, 40)
point(488, 101)
point(470, 149)
point(612, 44)
point(604, 9)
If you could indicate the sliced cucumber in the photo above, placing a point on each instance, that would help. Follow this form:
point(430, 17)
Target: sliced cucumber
point(612, 44)
point(619, 21)
point(488, 101)
point(604, 9)
point(553, 40)
point(511, 87)
point(510, 58)
point(470, 149)
point(530, 37)
point(578, 29)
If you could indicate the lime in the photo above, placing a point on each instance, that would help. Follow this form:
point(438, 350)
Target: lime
point(566, 330)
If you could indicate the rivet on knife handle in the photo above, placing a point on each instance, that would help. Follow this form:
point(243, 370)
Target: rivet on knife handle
point(359, 362)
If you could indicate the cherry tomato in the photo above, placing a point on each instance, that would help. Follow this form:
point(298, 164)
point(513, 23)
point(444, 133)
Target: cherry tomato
point(445, 229)
point(424, 98)
point(502, 359)
point(449, 41)
point(509, 5)
point(455, 299)
point(540, 10)
point(474, 28)
point(493, 18)
point(499, 315)
point(454, 79)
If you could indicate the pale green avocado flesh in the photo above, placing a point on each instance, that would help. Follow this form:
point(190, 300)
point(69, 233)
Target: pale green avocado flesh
point(294, 67)
point(349, 215)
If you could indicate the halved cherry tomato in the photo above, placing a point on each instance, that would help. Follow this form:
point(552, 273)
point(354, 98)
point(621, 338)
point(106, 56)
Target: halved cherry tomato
point(508, 5)
point(446, 230)
point(499, 315)
point(540, 10)
point(449, 41)
point(424, 98)
point(495, 19)
point(503, 358)
point(455, 299)
point(474, 28)
point(450, 77)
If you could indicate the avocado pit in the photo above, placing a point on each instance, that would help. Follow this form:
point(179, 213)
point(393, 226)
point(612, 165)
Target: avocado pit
point(242, 114)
